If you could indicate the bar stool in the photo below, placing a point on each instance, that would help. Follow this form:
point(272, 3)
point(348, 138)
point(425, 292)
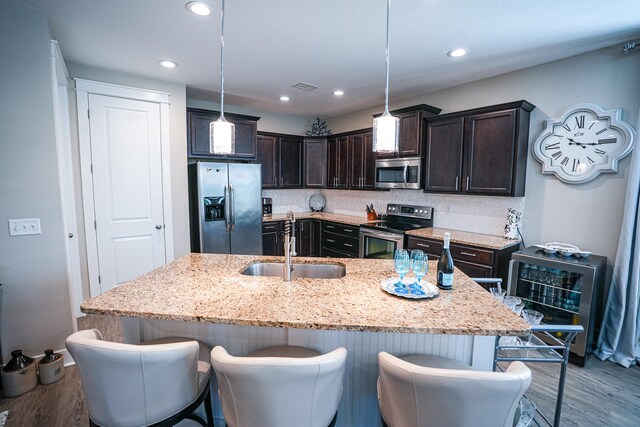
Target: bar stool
point(157, 383)
point(282, 386)
point(421, 390)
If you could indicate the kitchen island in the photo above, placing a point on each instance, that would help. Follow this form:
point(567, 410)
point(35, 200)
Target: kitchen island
point(205, 296)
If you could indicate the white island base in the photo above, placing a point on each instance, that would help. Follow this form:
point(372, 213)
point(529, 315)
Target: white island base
point(359, 406)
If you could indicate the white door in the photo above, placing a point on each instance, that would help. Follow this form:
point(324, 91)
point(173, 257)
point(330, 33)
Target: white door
point(126, 159)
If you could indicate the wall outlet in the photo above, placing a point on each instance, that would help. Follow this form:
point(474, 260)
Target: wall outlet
point(23, 227)
point(447, 210)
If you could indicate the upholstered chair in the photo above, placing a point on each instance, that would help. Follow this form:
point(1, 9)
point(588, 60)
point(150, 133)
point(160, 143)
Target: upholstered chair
point(281, 386)
point(424, 391)
point(157, 383)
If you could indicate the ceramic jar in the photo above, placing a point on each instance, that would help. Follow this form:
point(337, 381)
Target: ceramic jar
point(51, 367)
point(19, 375)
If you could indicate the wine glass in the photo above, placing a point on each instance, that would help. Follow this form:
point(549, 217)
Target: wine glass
point(401, 264)
point(419, 265)
point(533, 318)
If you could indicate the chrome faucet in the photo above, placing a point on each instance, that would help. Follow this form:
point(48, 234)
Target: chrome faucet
point(289, 244)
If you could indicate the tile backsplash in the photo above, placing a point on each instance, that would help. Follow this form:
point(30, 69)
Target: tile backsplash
point(487, 215)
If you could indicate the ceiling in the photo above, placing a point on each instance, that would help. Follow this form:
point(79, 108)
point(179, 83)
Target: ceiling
point(333, 44)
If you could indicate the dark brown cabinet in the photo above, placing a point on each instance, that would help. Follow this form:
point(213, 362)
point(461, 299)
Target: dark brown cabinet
point(315, 162)
point(338, 162)
point(268, 157)
point(281, 157)
point(473, 261)
point(272, 239)
point(411, 130)
point(308, 237)
point(481, 151)
point(339, 240)
point(363, 162)
point(198, 121)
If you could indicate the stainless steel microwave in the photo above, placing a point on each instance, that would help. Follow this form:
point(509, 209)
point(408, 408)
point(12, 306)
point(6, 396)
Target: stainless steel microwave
point(399, 173)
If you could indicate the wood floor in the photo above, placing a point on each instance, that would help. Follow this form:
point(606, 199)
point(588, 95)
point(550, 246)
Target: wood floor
point(600, 394)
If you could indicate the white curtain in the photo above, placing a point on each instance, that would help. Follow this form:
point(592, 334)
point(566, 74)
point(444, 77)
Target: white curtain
point(620, 333)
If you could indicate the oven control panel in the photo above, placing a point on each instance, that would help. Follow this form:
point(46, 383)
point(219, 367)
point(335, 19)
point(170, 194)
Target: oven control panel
point(424, 212)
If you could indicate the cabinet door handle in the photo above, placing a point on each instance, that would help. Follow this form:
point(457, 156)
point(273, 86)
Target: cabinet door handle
point(467, 254)
point(346, 230)
point(302, 226)
point(331, 241)
point(457, 182)
point(422, 245)
point(270, 227)
point(467, 183)
point(348, 245)
point(329, 226)
point(281, 181)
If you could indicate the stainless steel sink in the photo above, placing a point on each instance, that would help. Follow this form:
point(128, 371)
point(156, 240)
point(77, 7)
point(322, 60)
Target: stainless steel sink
point(300, 271)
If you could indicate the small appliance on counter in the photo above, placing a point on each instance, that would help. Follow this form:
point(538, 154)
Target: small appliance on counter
point(267, 206)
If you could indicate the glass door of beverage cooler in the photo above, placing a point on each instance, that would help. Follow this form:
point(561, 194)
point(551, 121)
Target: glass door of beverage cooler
point(561, 292)
point(554, 292)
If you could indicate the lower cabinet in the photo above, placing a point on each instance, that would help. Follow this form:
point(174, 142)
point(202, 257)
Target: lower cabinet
point(272, 239)
point(307, 238)
point(473, 261)
point(339, 240)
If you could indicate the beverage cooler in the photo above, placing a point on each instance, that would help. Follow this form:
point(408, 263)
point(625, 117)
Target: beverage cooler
point(565, 289)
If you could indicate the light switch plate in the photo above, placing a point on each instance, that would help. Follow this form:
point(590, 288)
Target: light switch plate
point(25, 226)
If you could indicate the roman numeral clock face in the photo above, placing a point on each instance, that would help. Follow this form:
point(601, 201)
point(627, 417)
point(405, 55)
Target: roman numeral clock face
point(582, 142)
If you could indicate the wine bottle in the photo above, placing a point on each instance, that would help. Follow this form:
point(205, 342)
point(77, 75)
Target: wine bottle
point(445, 265)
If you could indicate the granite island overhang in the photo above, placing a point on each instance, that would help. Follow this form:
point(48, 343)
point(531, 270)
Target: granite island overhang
point(205, 296)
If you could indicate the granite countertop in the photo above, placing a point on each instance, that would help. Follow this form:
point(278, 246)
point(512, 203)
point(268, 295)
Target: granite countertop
point(209, 288)
point(325, 216)
point(464, 237)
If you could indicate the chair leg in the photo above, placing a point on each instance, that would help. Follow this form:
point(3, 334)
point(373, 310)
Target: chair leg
point(208, 410)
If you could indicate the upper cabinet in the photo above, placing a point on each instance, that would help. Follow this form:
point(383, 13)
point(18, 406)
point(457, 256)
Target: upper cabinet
point(315, 160)
point(198, 121)
point(363, 162)
point(411, 130)
point(481, 151)
point(338, 162)
point(282, 161)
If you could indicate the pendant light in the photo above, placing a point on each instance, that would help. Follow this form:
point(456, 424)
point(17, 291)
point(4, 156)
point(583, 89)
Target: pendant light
point(222, 134)
point(386, 128)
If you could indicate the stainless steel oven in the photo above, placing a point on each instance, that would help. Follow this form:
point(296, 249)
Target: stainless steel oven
point(399, 173)
point(379, 244)
point(380, 239)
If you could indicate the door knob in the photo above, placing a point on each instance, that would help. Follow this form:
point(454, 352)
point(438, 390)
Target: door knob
point(159, 227)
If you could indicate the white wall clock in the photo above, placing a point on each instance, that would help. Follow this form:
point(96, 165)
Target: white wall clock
point(582, 142)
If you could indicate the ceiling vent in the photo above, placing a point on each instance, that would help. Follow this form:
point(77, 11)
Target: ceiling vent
point(305, 86)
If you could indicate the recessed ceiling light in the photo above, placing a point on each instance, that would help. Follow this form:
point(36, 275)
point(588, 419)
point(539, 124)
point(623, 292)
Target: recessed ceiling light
point(455, 53)
point(284, 98)
point(167, 63)
point(338, 92)
point(199, 8)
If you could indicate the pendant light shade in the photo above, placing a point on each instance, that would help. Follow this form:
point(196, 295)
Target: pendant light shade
point(386, 133)
point(222, 134)
point(386, 128)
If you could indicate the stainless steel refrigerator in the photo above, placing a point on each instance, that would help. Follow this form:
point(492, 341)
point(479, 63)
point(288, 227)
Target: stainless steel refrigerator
point(225, 201)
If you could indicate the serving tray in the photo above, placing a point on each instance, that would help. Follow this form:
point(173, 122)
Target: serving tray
point(410, 291)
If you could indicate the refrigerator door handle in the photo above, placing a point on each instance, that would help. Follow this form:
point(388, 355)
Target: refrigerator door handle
point(227, 208)
point(232, 209)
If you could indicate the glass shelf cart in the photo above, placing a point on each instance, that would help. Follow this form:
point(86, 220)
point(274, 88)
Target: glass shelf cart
point(542, 346)
point(565, 289)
